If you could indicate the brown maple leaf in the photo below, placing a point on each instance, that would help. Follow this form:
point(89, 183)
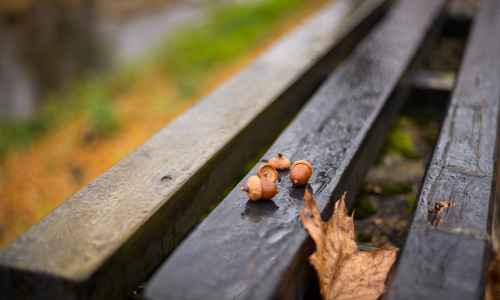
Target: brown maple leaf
point(344, 272)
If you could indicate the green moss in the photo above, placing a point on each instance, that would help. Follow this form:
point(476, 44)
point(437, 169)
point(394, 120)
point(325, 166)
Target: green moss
point(411, 200)
point(396, 188)
point(401, 141)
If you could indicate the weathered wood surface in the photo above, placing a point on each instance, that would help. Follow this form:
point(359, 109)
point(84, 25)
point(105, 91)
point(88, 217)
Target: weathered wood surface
point(107, 238)
point(246, 250)
point(447, 259)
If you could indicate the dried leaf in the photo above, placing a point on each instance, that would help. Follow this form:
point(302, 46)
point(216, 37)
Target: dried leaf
point(344, 272)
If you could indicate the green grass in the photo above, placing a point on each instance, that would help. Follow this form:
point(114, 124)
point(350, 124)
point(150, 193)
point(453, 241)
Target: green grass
point(20, 133)
point(90, 97)
point(229, 33)
point(188, 57)
point(101, 120)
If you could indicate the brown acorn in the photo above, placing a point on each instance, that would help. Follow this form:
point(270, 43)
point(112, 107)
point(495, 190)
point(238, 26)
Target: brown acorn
point(258, 188)
point(280, 162)
point(269, 189)
point(300, 172)
point(266, 171)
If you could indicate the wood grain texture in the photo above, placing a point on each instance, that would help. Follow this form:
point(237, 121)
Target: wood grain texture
point(447, 260)
point(106, 239)
point(248, 250)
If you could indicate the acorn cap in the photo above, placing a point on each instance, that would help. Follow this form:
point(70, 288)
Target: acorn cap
point(305, 162)
point(280, 162)
point(266, 171)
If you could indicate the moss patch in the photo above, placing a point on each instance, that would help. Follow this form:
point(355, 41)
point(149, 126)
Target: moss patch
point(411, 201)
point(401, 140)
point(396, 188)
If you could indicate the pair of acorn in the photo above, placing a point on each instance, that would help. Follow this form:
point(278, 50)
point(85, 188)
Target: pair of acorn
point(263, 185)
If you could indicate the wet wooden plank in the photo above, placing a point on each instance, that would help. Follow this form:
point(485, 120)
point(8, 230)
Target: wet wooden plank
point(106, 239)
point(447, 259)
point(449, 263)
point(247, 250)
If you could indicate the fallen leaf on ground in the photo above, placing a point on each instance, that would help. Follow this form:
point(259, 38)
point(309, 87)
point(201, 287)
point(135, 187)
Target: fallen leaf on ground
point(344, 272)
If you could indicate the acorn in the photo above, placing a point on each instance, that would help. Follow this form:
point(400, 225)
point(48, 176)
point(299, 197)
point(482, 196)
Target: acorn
point(280, 162)
point(269, 189)
point(300, 172)
point(266, 171)
point(258, 188)
point(253, 188)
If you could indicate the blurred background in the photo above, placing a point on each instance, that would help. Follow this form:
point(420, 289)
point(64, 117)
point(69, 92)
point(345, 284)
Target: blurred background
point(84, 82)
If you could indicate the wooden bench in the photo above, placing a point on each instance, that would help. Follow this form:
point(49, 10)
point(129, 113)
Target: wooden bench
point(109, 238)
point(246, 250)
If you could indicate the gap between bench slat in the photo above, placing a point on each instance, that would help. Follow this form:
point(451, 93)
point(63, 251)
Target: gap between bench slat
point(448, 260)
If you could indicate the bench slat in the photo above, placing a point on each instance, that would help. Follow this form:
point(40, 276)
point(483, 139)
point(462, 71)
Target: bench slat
point(106, 239)
point(245, 250)
point(447, 260)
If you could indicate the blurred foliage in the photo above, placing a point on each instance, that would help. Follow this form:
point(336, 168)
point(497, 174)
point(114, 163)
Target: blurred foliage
point(411, 202)
point(364, 207)
point(188, 57)
point(101, 119)
point(394, 188)
point(90, 97)
point(229, 33)
point(19, 133)
point(401, 140)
